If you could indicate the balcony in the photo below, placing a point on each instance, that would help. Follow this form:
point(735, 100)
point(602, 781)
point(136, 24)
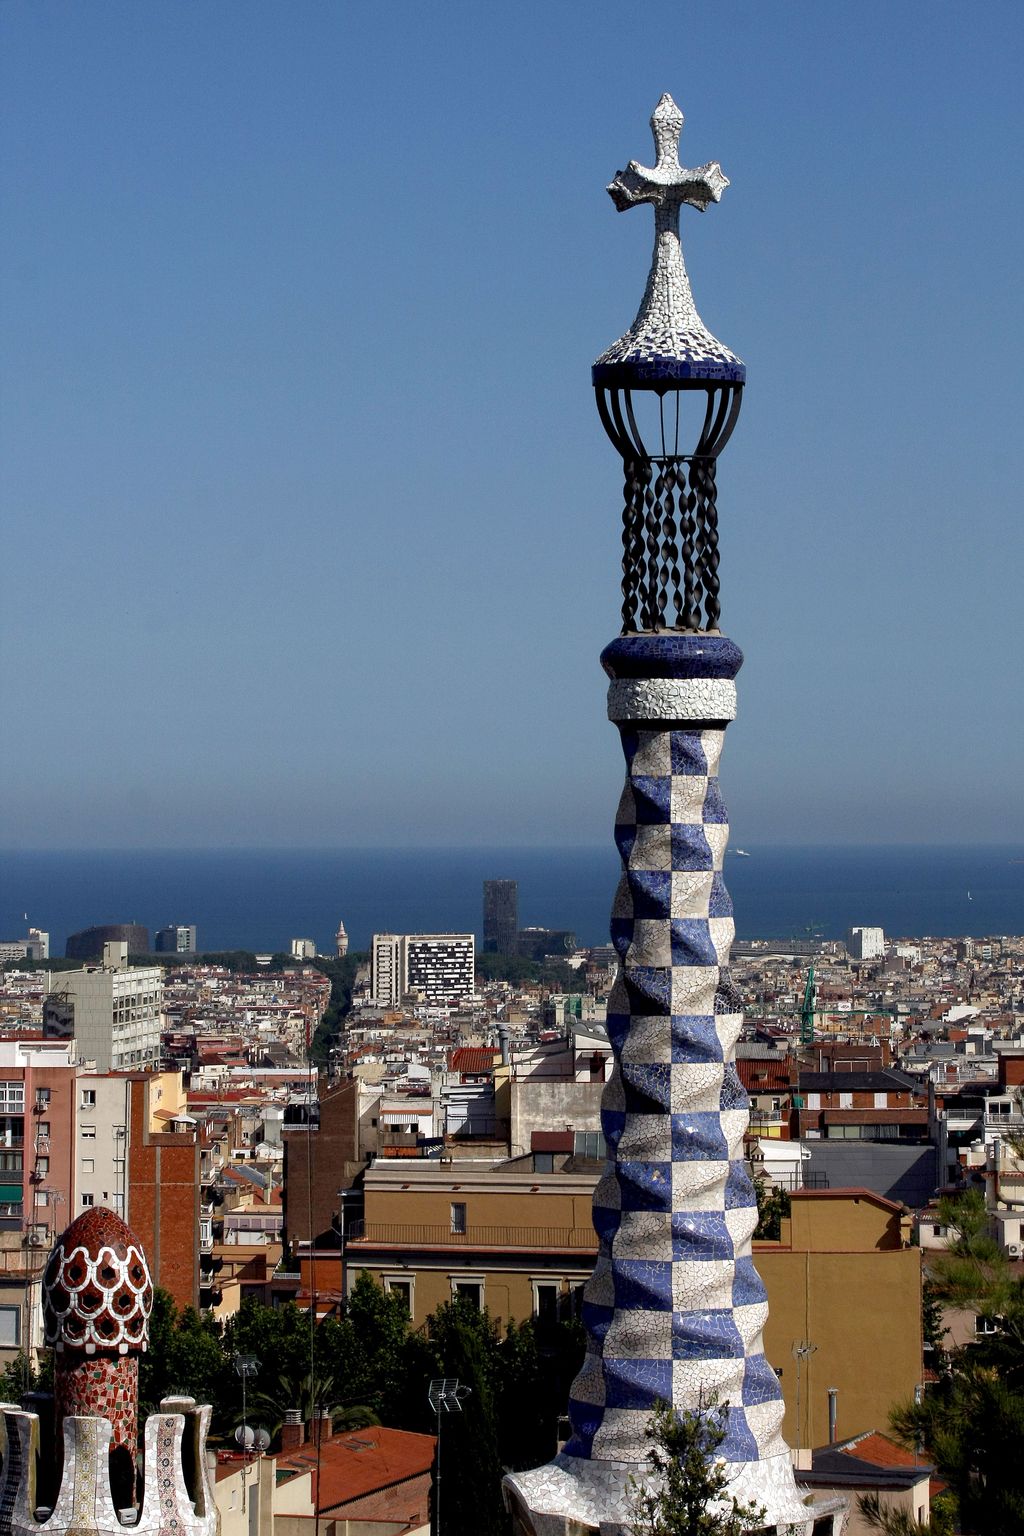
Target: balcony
point(1012, 1125)
point(421, 1235)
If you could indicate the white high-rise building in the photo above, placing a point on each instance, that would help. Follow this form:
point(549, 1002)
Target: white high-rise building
point(111, 1011)
point(303, 949)
point(387, 969)
point(440, 967)
point(865, 943)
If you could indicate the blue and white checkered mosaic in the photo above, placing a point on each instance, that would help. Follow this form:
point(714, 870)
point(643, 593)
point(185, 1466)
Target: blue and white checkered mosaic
point(675, 1305)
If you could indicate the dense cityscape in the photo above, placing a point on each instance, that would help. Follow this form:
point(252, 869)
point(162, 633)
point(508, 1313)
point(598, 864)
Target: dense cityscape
point(283, 1130)
point(377, 1192)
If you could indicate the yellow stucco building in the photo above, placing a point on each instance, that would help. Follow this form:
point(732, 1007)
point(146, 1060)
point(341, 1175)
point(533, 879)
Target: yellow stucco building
point(844, 1286)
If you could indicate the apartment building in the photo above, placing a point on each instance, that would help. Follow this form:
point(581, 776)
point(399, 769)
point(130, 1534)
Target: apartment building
point(138, 1153)
point(511, 1238)
point(37, 1177)
point(439, 967)
point(843, 1282)
point(176, 939)
point(111, 1011)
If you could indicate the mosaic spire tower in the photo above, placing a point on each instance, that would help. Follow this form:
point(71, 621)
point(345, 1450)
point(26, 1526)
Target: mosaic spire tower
point(675, 1309)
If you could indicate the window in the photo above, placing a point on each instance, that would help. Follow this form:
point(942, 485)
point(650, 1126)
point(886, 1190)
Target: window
point(10, 1327)
point(42, 1097)
point(400, 1285)
point(88, 1100)
point(458, 1218)
point(42, 1165)
point(87, 1132)
point(118, 1203)
point(543, 1162)
point(589, 1144)
point(88, 1200)
point(545, 1300)
point(88, 1165)
point(468, 1288)
point(936, 1231)
point(12, 1096)
point(43, 1129)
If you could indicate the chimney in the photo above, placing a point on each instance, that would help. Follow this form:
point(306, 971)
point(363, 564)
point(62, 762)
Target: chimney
point(503, 1043)
point(833, 1396)
point(325, 1426)
point(293, 1431)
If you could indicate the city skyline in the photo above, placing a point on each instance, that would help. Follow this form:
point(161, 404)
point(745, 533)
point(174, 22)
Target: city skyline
point(299, 449)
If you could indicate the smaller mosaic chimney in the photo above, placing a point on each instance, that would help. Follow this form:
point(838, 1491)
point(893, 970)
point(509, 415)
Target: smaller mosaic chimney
point(97, 1299)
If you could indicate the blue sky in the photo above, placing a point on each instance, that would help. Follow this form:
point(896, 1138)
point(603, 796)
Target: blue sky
point(310, 528)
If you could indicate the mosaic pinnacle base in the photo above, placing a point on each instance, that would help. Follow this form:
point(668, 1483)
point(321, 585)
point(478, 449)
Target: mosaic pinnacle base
point(674, 1310)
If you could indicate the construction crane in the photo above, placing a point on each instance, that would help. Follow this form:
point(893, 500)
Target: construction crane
point(809, 1010)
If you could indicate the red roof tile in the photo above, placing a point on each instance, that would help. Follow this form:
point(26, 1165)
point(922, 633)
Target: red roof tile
point(361, 1461)
point(879, 1450)
point(760, 1076)
point(472, 1058)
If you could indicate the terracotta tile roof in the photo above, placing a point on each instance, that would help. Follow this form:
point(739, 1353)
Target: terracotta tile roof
point(472, 1058)
point(759, 1075)
point(360, 1462)
point(868, 1460)
point(880, 1450)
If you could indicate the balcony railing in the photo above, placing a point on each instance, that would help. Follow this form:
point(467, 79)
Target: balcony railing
point(416, 1235)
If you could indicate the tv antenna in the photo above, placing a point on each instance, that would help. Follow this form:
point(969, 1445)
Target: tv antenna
point(445, 1395)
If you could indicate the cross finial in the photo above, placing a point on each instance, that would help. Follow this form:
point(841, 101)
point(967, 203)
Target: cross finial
point(668, 339)
point(667, 184)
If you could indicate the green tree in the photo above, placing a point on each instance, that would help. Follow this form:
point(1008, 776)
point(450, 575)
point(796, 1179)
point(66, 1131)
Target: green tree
point(973, 1270)
point(772, 1206)
point(376, 1334)
point(881, 1516)
point(185, 1355)
point(19, 1376)
point(342, 974)
point(688, 1492)
point(971, 1421)
point(307, 1367)
point(523, 1406)
point(466, 1341)
point(933, 1326)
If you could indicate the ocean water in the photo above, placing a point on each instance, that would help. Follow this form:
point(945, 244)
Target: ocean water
point(260, 899)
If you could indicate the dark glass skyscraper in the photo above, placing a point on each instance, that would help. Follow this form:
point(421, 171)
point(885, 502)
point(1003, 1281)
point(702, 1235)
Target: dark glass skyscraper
point(501, 917)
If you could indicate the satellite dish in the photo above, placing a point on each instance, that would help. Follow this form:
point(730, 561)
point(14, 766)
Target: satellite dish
point(262, 1440)
point(245, 1436)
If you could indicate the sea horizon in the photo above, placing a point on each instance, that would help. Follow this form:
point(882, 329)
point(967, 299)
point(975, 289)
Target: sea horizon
point(259, 898)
